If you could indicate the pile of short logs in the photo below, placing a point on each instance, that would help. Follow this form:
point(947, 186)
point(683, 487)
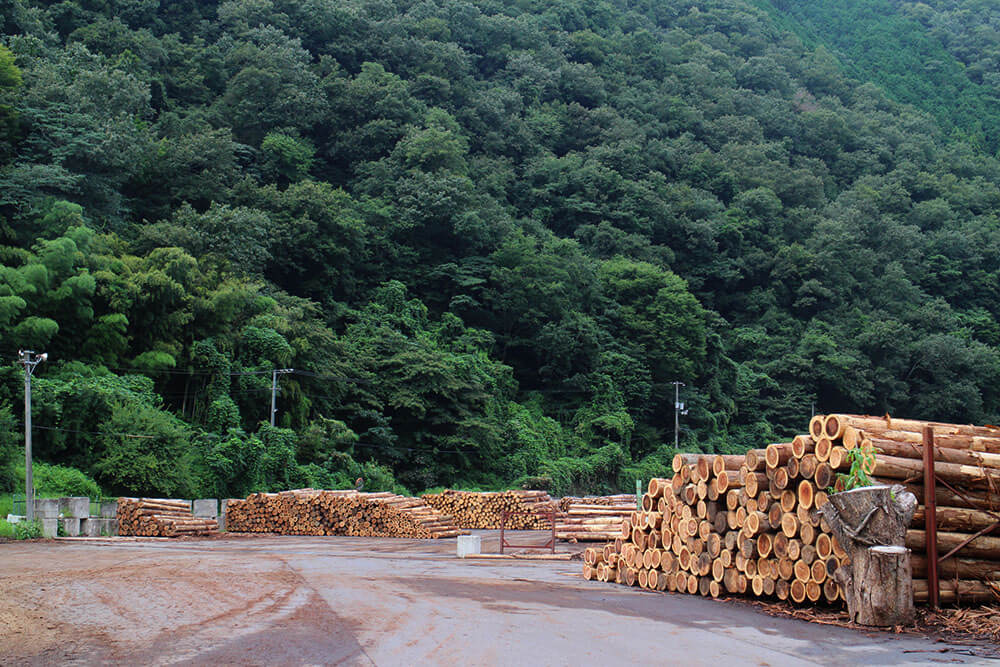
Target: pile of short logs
point(594, 518)
point(160, 517)
point(748, 523)
point(320, 512)
point(733, 524)
point(482, 510)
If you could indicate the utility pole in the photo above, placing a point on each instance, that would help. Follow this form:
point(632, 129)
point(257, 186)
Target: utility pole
point(678, 409)
point(29, 361)
point(274, 389)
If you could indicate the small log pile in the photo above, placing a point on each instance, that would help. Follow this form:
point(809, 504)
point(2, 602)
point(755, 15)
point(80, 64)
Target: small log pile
point(619, 499)
point(748, 523)
point(473, 510)
point(161, 517)
point(322, 512)
point(593, 519)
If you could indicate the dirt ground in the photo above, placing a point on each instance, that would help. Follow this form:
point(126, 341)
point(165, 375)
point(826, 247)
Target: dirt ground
point(272, 600)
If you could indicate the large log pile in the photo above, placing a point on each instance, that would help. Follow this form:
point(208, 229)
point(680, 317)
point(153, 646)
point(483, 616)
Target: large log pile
point(482, 510)
point(967, 495)
point(735, 524)
point(748, 523)
point(320, 512)
point(161, 517)
point(594, 518)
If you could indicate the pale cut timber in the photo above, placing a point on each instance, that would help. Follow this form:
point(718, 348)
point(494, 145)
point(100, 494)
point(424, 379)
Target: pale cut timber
point(895, 467)
point(982, 547)
point(913, 450)
point(882, 424)
point(966, 592)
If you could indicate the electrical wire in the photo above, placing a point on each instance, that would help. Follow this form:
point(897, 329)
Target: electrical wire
point(72, 430)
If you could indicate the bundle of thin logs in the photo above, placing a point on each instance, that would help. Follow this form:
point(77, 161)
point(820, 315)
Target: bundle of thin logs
point(320, 512)
point(160, 517)
point(967, 493)
point(619, 499)
point(594, 518)
point(482, 510)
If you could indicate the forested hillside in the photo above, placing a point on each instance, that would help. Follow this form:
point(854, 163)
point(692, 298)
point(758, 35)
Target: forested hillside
point(940, 55)
point(486, 235)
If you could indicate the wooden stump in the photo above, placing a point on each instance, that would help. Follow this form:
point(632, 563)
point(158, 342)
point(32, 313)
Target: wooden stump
point(870, 523)
point(884, 594)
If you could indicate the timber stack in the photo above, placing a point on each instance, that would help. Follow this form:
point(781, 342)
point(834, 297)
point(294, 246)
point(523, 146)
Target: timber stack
point(594, 518)
point(967, 494)
point(161, 517)
point(324, 512)
point(747, 524)
point(728, 524)
point(473, 510)
point(618, 499)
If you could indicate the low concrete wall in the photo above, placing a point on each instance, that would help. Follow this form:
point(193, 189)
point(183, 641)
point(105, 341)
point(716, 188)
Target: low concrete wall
point(77, 507)
point(47, 508)
point(98, 527)
point(70, 526)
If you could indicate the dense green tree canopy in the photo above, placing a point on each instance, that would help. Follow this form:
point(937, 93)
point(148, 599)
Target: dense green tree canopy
point(488, 235)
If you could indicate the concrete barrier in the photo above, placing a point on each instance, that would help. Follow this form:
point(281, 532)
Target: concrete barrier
point(77, 507)
point(70, 526)
point(469, 545)
point(50, 526)
point(109, 510)
point(47, 508)
point(207, 508)
point(98, 527)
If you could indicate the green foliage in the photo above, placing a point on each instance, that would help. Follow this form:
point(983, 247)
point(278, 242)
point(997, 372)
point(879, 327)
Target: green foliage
point(11, 449)
point(22, 530)
point(58, 481)
point(862, 462)
point(488, 236)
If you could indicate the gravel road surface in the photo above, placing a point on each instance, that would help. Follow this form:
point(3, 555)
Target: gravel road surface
point(304, 600)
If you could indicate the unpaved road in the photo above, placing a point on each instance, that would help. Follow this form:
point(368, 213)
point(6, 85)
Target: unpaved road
point(304, 600)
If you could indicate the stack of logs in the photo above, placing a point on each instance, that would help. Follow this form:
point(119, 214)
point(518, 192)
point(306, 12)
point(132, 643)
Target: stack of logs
point(319, 512)
point(474, 510)
point(967, 467)
point(594, 518)
point(748, 523)
point(730, 524)
point(160, 517)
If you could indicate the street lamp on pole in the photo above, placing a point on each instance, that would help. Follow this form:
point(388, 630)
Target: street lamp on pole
point(30, 360)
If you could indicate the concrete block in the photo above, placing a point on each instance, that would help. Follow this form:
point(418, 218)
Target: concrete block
point(469, 545)
point(50, 526)
point(14, 518)
point(70, 526)
point(206, 507)
point(109, 510)
point(97, 527)
point(77, 507)
point(47, 508)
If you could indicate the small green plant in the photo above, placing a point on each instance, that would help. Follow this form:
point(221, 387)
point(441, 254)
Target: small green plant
point(862, 460)
point(27, 530)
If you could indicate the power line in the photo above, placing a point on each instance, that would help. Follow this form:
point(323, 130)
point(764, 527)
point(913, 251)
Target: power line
point(72, 430)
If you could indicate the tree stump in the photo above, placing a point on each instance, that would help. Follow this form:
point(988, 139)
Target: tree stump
point(870, 524)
